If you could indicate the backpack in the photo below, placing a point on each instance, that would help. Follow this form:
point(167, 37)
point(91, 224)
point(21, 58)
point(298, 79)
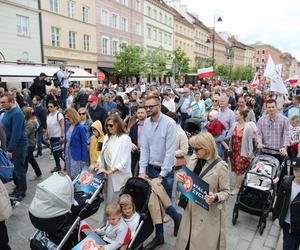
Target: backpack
point(55, 80)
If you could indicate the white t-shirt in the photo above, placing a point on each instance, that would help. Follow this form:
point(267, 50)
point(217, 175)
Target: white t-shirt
point(170, 105)
point(53, 125)
point(133, 222)
point(294, 193)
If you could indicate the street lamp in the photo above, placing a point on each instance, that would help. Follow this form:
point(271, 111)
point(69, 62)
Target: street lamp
point(213, 38)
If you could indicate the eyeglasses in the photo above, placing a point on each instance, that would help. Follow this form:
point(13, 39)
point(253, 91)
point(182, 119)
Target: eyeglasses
point(50, 106)
point(3, 102)
point(82, 113)
point(215, 100)
point(197, 149)
point(109, 125)
point(150, 106)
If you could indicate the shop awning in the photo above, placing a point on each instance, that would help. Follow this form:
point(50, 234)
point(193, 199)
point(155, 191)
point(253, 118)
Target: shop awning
point(26, 73)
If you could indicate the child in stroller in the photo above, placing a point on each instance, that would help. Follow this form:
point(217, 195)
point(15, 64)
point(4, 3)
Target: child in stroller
point(261, 176)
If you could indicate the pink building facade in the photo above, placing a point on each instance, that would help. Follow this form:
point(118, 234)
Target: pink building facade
point(118, 21)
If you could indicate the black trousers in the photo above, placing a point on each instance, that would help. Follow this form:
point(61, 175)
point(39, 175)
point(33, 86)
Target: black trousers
point(4, 237)
point(30, 159)
point(56, 150)
point(135, 158)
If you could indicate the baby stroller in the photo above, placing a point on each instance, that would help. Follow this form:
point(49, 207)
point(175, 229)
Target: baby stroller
point(56, 214)
point(257, 197)
point(140, 190)
point(192, 126)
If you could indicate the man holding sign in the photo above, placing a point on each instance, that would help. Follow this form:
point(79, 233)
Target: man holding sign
point(206, 185)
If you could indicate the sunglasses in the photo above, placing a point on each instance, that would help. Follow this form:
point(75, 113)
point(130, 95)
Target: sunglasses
point(109, 125)
point(82, 113)
point(197, 149)
point(150, 106)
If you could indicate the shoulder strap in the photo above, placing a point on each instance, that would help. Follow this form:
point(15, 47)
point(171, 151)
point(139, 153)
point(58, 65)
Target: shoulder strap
point(216, 161)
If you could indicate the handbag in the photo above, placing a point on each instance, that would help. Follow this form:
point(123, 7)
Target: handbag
point(183, 201)
point(6, 167)
point(180, 161)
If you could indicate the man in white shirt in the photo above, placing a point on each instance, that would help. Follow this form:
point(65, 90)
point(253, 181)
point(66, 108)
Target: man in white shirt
point(63, 78)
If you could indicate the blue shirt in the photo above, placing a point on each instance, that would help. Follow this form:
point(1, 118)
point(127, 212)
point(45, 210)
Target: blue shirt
point(64, 83)
point(186, 104)
point(14, 124)
point(158, 144)
point(108, 106)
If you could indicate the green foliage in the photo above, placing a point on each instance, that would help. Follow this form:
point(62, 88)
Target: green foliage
point(223, 71)
point(182, 61)
point(129, 61)
point(156, 63)
point(239, 73)
point(202, 63)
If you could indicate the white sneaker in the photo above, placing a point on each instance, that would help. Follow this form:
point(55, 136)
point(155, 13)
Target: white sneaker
point(51, 157)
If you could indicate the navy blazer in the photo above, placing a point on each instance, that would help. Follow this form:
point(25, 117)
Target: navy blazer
point(78, 142)
point(133, 133)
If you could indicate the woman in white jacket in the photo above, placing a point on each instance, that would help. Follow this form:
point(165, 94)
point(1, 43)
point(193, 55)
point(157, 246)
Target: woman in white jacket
point(115, 158)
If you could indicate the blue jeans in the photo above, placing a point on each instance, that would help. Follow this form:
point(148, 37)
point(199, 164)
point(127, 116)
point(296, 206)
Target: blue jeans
point(290, 241)
point(18, 159)
point(63, 97)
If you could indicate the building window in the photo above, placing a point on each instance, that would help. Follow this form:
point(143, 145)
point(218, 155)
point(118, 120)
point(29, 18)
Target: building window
point(263, 52)
point(124, 24)
point(170, 39)
point(257, 60)
point(160, 37)
point(54, 5)
point(138, 29)
point(138, 5)
point(71, 9)
point(149, 33)
point(105, 46)
point(155, 14)
point(160, 17)
point(154, 35)
point(258, 52)
point(104, 17)
point(55, 36)
point(115, 47)
point(85, 14)
point(125, 2)
point(86, 42)
point(149, 11)
point(72, 44)
point(115, 21)
point(22, 25)
point(170, 21)
point(166, 20)
point(165, 38)
point(262, 60)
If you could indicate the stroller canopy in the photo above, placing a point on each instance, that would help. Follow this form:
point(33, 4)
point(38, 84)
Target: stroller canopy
point(53, 197)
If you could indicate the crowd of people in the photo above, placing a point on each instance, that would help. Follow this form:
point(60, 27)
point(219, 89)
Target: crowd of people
point(138, 129)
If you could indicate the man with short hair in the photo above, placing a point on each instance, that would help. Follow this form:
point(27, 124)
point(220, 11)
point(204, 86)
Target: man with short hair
point(63, 78)
point(135, 134)
point(226, 115)
point(242, 106)
point(108, 103)
point(96, 111)
point(184, 104)
point(273, 132)
point(16, 143)
point(157, 159)
point(38, 88)
point(81, 99)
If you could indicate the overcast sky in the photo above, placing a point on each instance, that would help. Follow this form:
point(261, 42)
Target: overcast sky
point(276, 23)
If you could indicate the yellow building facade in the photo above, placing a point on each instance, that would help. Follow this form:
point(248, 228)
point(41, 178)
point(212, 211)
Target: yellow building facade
point(69, 33)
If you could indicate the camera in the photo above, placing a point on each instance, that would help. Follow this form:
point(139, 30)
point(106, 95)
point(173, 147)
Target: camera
point(71, 72)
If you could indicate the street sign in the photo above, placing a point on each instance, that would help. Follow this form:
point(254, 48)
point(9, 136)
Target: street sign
point(100, 76)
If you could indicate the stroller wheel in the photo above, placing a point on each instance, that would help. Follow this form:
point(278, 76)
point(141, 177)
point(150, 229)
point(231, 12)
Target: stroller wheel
point(235, 215)
point(262, 227)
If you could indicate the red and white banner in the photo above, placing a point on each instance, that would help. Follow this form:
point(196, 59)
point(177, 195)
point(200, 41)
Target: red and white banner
point(294, 79)
point(205, 72)
point(255, 81)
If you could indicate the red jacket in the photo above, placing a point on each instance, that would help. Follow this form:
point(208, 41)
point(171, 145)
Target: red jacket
point(215, 128)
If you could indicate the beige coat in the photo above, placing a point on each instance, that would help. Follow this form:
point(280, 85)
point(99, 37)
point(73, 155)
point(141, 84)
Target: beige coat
point(5, 207)
point(208, 227)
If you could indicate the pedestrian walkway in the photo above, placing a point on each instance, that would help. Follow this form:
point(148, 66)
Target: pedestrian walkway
point(242, 236)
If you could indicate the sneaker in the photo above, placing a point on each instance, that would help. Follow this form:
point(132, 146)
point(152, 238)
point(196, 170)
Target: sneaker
point(14, 203)
point(38, 154)
point(51, 157)
point(18, 197)
point(36, 178)
point(56, 169)
point(13, 193)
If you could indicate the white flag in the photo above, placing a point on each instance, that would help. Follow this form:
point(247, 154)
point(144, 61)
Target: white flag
point(274, 73)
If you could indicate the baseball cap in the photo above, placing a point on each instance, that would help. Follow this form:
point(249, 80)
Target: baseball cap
point(92, 98)
point(43, 74)
point(296, 163)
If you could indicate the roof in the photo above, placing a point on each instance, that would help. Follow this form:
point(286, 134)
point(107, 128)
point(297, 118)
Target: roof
point(26, 72)
point(180, 18)
point(236, 43)
point(164, 5)
point(260, 44)
point(198, 22)
point(218, 38)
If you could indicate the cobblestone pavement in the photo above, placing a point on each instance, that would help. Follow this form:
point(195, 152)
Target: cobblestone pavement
point(242, 236)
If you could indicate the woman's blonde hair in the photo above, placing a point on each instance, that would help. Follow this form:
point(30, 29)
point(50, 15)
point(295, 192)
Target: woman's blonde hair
point(205, 141)
point(84, 110)
point(72, 115)
point(126, 201)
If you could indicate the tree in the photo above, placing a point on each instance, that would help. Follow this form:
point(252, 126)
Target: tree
point(156, 63)
point(182, 61)
point(129, 61)
point(223, 71)
point(201, 62)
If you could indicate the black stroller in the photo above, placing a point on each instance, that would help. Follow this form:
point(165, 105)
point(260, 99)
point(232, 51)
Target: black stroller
point(192, 126)
point(52, 212)
point(257, 193)
point(140, 190)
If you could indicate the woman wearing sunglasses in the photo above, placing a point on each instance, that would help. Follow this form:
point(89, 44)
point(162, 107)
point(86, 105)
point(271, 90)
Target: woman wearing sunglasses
point(208, 227)
point(115, 158)
point(86, 121)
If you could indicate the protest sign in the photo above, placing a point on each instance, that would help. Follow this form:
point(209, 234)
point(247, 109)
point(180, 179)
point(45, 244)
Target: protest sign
point(88, 181)
point(90, 242)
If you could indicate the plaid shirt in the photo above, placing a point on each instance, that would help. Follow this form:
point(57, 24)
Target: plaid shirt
point(273, 133)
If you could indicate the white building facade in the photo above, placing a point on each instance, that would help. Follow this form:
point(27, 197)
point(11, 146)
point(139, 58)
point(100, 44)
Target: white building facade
point(20, 31)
